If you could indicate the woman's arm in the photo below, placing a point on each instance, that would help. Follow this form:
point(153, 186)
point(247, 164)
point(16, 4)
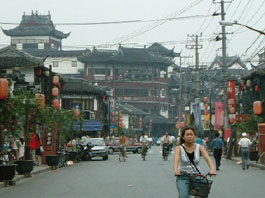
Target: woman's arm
point(176, 161)
point(208, 160)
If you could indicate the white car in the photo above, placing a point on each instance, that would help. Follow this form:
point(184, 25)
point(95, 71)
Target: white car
point(99, 148)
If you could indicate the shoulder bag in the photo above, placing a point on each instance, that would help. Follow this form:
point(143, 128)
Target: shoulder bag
point(199, 185)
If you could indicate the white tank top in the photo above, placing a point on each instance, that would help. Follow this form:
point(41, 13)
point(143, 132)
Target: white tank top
point(185, 166)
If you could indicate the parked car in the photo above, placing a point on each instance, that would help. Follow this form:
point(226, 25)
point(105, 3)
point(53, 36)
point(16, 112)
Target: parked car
point(113, 146)
point(99, 148)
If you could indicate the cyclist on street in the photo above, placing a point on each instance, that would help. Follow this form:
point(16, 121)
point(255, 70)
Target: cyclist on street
point(166, 141)
point(144, 142)
point(123, 143)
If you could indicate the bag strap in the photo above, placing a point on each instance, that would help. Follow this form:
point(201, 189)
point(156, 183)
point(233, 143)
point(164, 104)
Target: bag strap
point(191, 162)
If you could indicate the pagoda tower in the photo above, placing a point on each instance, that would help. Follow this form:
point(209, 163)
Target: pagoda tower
point(36, 31)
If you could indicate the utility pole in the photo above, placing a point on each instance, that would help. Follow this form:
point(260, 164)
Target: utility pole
point(224, 66)
point(196, 46)
point(180, 92)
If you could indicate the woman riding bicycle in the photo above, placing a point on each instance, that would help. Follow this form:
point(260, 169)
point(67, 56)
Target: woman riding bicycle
point(187, 157)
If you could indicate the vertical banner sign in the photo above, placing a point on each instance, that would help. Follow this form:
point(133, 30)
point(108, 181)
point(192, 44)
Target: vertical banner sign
point(219, 114)
point(231, 89)
point(196, 109)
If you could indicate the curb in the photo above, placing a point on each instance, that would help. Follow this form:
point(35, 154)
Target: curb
point(21, 177)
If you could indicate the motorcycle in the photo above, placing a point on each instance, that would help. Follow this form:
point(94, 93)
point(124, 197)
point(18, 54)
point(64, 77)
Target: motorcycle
point(165, 151)
point(84, 152)
point(144, 152)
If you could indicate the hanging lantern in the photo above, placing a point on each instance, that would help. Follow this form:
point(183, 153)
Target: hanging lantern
point(205, 99)
point(231, 101)
point(56, 104)
point(56, 80)
point(38, 71)
point(232, 120)
point(257, 88)
point(257, 107)
point(248, 83)
point(206, 106)
point(55, 91)
point(3, 88)
point(232, 110)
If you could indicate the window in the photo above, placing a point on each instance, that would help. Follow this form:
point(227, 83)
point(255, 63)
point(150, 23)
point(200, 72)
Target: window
point(55, 64)
point(74, 63)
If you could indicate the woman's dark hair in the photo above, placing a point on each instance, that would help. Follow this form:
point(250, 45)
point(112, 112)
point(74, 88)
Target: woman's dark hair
point(182, 141)
point(21, 140)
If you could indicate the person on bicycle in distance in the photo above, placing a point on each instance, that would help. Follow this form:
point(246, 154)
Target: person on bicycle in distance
point(123, 143)
point(144, 142)
point(187, 152)
point(165, 142)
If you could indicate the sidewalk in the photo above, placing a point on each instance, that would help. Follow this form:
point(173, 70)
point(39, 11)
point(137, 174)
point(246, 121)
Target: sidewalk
point(251, 163)
point(36, 170)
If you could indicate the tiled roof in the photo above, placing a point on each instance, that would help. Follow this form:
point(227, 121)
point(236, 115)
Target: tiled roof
point(55, 52)
point(124, 55)
point(81, 86)
point(157, 48)
point(36, 25)
point(11, 57)
point(258, 70)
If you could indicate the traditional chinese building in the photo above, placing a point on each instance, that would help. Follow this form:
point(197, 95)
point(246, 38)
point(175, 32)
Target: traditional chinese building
point(137, 76)
point(36, 31)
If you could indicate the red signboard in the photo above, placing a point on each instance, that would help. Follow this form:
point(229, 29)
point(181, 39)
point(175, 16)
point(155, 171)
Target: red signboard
point(261, 129)
point(219, 115)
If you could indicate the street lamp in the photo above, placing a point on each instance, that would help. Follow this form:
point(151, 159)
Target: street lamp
point(228, 23)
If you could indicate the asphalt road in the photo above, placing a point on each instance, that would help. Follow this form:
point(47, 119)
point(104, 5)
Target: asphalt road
point(134, 178)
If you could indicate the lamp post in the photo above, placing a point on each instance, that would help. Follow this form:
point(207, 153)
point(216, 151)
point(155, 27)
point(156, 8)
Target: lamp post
point(227, 23)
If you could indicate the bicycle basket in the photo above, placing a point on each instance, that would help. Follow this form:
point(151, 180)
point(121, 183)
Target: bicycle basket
point(199, 185)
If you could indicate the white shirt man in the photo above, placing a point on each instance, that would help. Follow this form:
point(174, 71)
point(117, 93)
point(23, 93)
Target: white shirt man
point(244, 141)
point(144, 139)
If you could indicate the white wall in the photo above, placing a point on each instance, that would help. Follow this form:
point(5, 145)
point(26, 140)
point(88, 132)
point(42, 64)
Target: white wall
point(125, 120)
point(64, 65)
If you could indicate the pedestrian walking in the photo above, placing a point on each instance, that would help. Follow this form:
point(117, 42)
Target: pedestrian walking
point(218, 150)
point(34, 145)
point(21, 149)
point(187, 158)
point(244, 145)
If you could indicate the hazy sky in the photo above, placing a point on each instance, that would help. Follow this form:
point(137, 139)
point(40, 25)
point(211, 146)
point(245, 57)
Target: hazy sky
point(173, 33)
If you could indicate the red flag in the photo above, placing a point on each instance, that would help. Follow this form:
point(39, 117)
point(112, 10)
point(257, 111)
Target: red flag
point(219, 114)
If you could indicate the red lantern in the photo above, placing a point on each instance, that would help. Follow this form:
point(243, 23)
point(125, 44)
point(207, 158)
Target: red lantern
point(55, 91)
point(257, 88)
point(56, 80)
point(3, 88)
point(206, 106)
point(62, 86)
point(232, 110)
point(56, 104)
point(38, 71)
point(205, 99)
point(257, 107)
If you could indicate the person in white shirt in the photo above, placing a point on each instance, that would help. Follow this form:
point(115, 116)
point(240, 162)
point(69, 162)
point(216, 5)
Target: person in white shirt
point(244, 145)
point(144, 141)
